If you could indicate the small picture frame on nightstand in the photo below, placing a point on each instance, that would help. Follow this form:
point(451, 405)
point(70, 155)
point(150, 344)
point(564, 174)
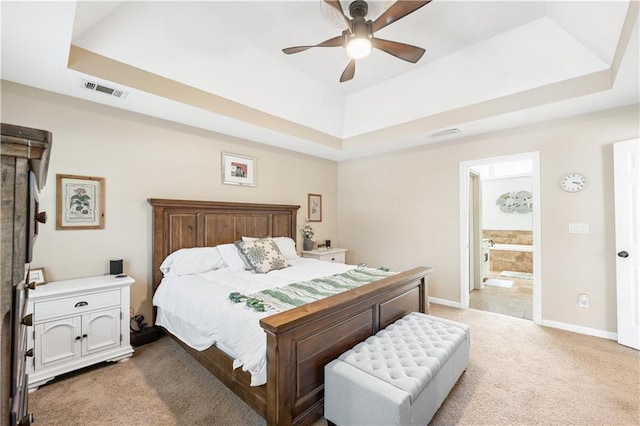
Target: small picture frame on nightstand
point(36, 275)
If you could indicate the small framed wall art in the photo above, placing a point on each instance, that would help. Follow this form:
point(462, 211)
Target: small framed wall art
point(238, 170)
point(314, 202)
point(79, 202)
point(37, 276)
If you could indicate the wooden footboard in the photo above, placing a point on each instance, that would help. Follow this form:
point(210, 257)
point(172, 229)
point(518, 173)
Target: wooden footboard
point(299, 341)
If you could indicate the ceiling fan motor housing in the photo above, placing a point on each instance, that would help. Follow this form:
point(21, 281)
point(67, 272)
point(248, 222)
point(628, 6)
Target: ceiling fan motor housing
point(360, 26)
point(358, 9)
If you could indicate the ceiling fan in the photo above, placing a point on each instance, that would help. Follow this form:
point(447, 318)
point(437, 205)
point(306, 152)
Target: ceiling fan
point(358, 38)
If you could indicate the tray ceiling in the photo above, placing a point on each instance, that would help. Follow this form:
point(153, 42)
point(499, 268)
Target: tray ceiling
point(218, 65)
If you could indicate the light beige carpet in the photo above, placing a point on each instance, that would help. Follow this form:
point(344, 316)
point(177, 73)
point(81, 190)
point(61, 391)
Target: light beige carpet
point(519, 374)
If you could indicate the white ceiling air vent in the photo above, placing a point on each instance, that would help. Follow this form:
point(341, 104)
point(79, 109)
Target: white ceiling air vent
point(96, 87)
point(443, 133)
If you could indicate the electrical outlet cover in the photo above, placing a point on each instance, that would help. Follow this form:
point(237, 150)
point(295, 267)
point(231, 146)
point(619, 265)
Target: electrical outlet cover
point(583, 301)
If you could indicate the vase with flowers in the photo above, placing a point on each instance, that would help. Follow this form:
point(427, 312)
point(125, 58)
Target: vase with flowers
point(307, 233)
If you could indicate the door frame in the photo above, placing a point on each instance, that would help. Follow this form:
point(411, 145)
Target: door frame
point(475, 223)
point(464, 180)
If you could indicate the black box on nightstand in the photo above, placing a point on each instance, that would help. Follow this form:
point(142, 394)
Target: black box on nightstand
point(146, 335)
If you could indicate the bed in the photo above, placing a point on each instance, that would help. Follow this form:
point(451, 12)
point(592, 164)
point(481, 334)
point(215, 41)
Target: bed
point(299, 341)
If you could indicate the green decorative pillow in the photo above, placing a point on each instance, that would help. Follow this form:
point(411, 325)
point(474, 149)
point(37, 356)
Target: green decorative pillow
point(262, 254)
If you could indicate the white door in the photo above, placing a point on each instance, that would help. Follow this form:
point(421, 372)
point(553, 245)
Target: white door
point(626, 158)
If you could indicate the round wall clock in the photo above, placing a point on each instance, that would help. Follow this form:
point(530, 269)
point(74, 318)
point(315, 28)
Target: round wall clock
point(573, 182)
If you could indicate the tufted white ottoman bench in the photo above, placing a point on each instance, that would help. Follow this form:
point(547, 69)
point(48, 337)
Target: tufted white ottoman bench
point(400, 376)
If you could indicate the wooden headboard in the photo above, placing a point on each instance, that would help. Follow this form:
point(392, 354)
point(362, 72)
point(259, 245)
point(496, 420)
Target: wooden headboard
point(183, 224)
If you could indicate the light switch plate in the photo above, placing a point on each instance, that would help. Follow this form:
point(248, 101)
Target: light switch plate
point(578, 228)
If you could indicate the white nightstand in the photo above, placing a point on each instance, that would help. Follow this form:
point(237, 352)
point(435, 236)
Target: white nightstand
point(77, 323)
point(336, 255)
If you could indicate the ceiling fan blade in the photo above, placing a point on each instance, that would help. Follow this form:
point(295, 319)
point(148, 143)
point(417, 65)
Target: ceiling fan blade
point(348, 72)
point(397, 11)
point(332, 42)
point(400, 50)
point(336, 5)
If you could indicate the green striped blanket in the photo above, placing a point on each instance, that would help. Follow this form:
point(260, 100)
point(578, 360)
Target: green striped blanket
point(296, 294)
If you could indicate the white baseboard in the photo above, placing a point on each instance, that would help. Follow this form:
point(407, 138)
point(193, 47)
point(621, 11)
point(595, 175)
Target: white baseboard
point(444, 302)
point(579, 329)
point(547, 323)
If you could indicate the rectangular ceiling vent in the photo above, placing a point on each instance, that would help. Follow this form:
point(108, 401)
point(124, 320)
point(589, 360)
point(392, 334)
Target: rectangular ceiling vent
point(442, 133)
point(104, 89)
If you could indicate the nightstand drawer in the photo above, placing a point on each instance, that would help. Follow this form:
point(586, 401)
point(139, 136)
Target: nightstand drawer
point(333, 257)
point(77, 304)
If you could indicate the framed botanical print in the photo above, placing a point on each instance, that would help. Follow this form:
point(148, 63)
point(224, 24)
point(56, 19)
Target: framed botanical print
point(79, 202)
point(314, 202)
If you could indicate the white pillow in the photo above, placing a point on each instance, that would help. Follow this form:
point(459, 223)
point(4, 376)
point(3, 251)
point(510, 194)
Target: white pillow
point(231, 257)
point(190, 261)
point(287, 247)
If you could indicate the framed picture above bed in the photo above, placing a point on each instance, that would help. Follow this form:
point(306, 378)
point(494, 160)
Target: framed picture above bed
point(314, 202)
point(80, 202)
point(238, 170)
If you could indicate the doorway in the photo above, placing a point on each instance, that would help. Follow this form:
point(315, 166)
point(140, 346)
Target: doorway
point(511, 290)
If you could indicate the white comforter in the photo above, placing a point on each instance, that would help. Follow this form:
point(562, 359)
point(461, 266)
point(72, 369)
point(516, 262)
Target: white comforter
point(196, 309)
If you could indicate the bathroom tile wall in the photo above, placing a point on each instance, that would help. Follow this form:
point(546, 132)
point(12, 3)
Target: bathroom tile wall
point(515, 261)
point(509, 236)
point(505, 260)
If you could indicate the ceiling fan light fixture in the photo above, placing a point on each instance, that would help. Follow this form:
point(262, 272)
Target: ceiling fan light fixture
point(358, 37)
point(359, 48)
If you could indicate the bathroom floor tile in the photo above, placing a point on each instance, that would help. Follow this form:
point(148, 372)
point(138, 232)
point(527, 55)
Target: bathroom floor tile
point(516, 301)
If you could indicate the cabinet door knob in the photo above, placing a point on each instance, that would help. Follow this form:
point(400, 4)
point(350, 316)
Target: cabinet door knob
point(78, 338)
point(623, 254)
point(31, 285)
point(27, 320)
point(29, 352)
point(84, 336)
point(80, 304)
point(41, 217)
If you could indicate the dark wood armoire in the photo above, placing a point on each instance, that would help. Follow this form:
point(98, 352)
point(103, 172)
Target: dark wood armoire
point(25, 158)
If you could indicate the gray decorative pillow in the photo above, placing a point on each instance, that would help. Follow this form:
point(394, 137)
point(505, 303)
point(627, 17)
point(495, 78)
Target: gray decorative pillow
point(262, 254)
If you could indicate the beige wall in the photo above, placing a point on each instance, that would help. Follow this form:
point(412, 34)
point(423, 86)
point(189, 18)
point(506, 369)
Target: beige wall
point(398, 210)
point(402, 209)
point(140, 158)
